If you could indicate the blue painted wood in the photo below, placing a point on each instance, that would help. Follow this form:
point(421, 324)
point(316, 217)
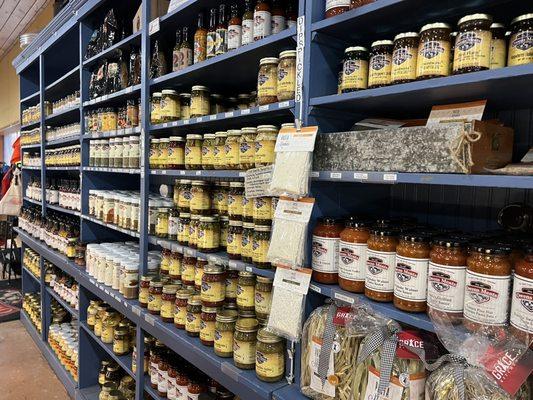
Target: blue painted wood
point(63, 141)
point(63, 117)
point(190, 173)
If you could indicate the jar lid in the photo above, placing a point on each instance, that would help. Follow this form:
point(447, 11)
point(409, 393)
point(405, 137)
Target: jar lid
point(185, 215)
point(156, 282)
point(243, 96)
point(415, 237)
point(185, 181)
point(268, 60)
point(249, 129)
point(248, 225)
point(169, 91)
point(436, 25)
point(234, 222)
point(329, 221)
point(496, 25)
point(474, 17)
point(489, 248)
point(224, 218)
point(195, 300)
point(184, 293)
point(288, 125)
point(227, 316)
point(208, 219)
point(216, 96)
point(384, 231)
point(121, 331)
point(262, 228)
point(177, 139)
point(382, 43)
point(186, 95)
point(162, 209)
point(221, 134)
point(200, 87)
point(170, 289)
point(264, 279)
point(356, 222)
point(193, 136)
point(214, 269)
point(450, 241)
point(199, 183)
point(131, 267)
point(267, 127)
point(234, 132)
point(266, 337)
point(210, 310)
point(195, 216)
point(246, 274)
point(164, 140)
point(355, 48)
point(247, 325)
point(522, 17)
point(405, 35)
point(147, 278)
point(287, 53)
point(236, 184)
point(155, 94)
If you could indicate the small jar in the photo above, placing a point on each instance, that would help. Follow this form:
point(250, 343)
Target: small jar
point(162, 372)
point(520, 49)
point(270, 357)
point(144, 290)
point(92, 311)
point(176, 259)
point(180, 309)
point(498, 46)
point(213, 291)
point(130, 281)
point(185, 102)
point(235, 194)
point(336, 7)
point(224, 331)
point(404, 56)
point(247, 148)
point(232, 149)
point(155, 112)
point(261, 211)
point(121, 342)
point(267, 81)
point(187, 272)
point(184, 195)
point(265, 142)
point(246, 242)
point(200, 202)
point(352, 255)
point(244, 343)
point(379, 73)
point(154, 154)
point(161, 228)
point(176, 152)
point(247, 209)
point(170, 105)
point(173, 221)
point(260, 244)
point(220, 198)
point(168, 300)
point(207, 325)
point(193, 151)
point(208, 146)
point(183, 228)
point(194, 316)
point(286, 85)
point(354, 69)
point(219, 156)
point(224, 227)
point(234, 240)
point(263, 297)
point(434, 51)
point(246, 291)
point(193, 231)
point(199, 101)
point(154, 298)
point(472, 44)
point(216, 104)
point(380, 263)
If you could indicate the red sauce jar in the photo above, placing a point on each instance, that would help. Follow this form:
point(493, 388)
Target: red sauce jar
point(165, 261)
point(380, 263)
point(336, 7)
point(162, 383)
point(196, 387)
point(352, 255)
point(176, 260)
point(522, 298)
point(326, 237)
point(182, 382)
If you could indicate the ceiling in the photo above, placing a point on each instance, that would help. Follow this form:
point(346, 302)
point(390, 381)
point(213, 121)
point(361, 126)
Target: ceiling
point(15, 17)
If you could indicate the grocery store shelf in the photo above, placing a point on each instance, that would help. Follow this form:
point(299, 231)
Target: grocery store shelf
point(110, 134)
point(418, 320)
point(65, 168)
point(68, 139)
point(220, 257)
point(501, 181)
point(70, 114)
point(31, 167)
point(123, 361)
point(114, 97)
point(70, 76)
point(34, 146)
point(64, 210)
point(34, 96)
point(111, 226)
point(134, 39)
point(90, 393)
point(35, 278)
point(37, 202)
point(289, 392)
point(30, 125)
point(63, 303)
point(191, 173)
point(62, 374)
point(113, 170)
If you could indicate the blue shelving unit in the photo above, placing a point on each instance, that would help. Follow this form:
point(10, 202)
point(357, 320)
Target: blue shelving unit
point(54, 65)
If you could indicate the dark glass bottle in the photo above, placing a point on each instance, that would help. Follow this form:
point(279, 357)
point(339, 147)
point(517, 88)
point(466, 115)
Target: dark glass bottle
point(185, 50)
point(200, 40)
point(221, 41)
point(176, 54)
point(212, 33)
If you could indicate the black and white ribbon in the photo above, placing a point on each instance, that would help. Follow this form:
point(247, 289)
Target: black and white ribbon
point(327, 344)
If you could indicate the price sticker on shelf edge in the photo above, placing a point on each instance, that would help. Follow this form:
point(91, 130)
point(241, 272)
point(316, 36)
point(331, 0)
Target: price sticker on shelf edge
point(136, 310)
point(390, 177)
point(343, 297)
point(290, 139)
point(154, 26)
point(150, 319)
point(295, 280)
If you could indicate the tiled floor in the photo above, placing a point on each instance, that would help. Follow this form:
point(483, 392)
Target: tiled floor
point(25, 374)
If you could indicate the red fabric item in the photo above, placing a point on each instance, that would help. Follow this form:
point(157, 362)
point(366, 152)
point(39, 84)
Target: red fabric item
point(15, 158)
point(6, 181)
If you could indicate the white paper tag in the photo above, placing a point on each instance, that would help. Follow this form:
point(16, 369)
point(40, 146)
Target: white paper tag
point(363, 176)
point(283, 104)
point(315, 288)
point(174, 4)
point(246, 111)
point(295, 210)
point(228, 114)
point(390, 177)
point(300, 46)
point(263, 108)
point(289, 139)
point(150, 319)
point(456, 113)
point(257, 181)
point(154, 26)
point(136, 311)
point(212, 117)
point(294, 280)
point(343, 297)
point(335, 175)
point(232, 264)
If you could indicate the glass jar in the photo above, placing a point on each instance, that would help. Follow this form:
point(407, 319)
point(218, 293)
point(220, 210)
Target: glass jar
point(411, 272)
point(168, 299)
point(270, 357)
point(216, 104)
point(262, 211)
point(180, 309)
point(232, 149)
point(521, 318)
point(224, 329)
point(130, 281)
point(219, 157)
point(208, 147)
point(155, 112)
point(246, 242)
point(232, 278)
point(404, 56)
point(199, 101)
point(207, 325)
point(247, 209)
point(176, 152)
point(154, 297)
point(352, 255)
point(286, 85)
point(110, 321)
point(134, 153)
point(263, 297)
point(121, 342)
point(193, 151)
point(244, 343)
point(260, 244)
point(176, 258)
point(170, 105)
point(234, 240)
point(193, 231)
point(472, 44)
point(246, 291)
point(220, 198)
point(379, 66)
point(213, 291)
point(243, 101)
point(144, 290)
point(132, 113)
point(235, 194)
point(265, 142)
point(185, 102)
point(154, 154)
point(267, 81)
point(434, 51)
point(173, 221)
point(520, 50)
point(161, 228)
point(380, 263)
point(498, 46)
point(194, 316)
point(183, 228)
point(184, 195)
point(247, 148)
point(92, 310)
point(224, 226)
point(200, 202)
point(336, 7)
point(187, 272)
point(354, 70)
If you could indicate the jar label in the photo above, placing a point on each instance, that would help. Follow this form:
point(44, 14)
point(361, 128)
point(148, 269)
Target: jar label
point(207, 331)
point(380, 69)
point(325, 254)
point(173, 226)
point(233, 243)
point(221, 41)
point(235, 204)
point(183, 233)
point(263, 301)
point(198, 274)
point(224, 341)
point(199, 106)
point(231, 288)
point(154, 302)
point(498, 53)
point(262, 24)
point(211, 44)
point(162, 226)
point(192, 323)
point(269, 365)
point(264, 151)
point(261, 208)
point(120, 346)
point(337, 4)
point(410, 281)
point(167, 309)
point(433, 58)
point(380, 270)
point(186, 57)
point(187, 274)
point(162, 380)
point(520, 48)
point(200, 201)
point(247, 207)
point(180, 315)
point(260, 249)
point(247, 150)
point(207, 155)
point(446, 287)
point(219, 158)
point(213, 291)
point(245, 296)
point(193, 155)
point(267, 85)
point(522, 304)
point(352, 261)
point(208, 239)
point(286, 79)
point(154, 374)
point(176, 60)
point(247, 31)
point(234, 36)
point(487, 298)
point(403, 64)
point(143, 295)
point(176, 155)
point(107, 334)
point(278, 23)
point(472, 49)
point(169, 108)
point(355, 74)
point(231, 152)
point(244, 352)
point(246, 245)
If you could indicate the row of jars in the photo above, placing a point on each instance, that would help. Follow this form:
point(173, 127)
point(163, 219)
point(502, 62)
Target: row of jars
point(111, 119)
point(63, 131)
point(118, 207)
point(32, 136)
point(63, 156)
point(66, 102)
point(111, 327)
point(31, 260)
point(66, 193)
point(31, 159)
point(63, 284)
point(31, 115)
point(118, 152)
point(276, 79)
point(31, 304)
point(436, 51)
point(114, 382)
point(63, 340)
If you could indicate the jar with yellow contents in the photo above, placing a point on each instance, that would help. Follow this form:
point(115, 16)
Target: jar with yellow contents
point(267, 81)
point(164, 144)
point(270, 357)
point(184, 195)
point(208, 147)
point(200, 198)
point(176, 152)
point(170, 105)
point(165, 261)
point(154, 297)
point(207, 325)
point(247, 148)
point(193, 151)
point(184, 221)
point(193, 230)
point(246, 291)
point(92, 310)
point(260, 244)
point(188, 270)
point(219, 152)
point(265, 142)
point(194, 316)
point(185, 105)
point(262, 211)
point(161, 227)
point(286, 86)
point(220, 198)
point(121, 342)
point(180, 307)
point(168, 299)
point(247, 209)
point(98, 320)
point(201, 263)
point(246, 241)
point(520, 49)
point(176, 258)
point(232, 149)
point(263, 297)
point(199, 101)
point(224, 226)
point(208, 234)
point(244, 343)
point(234, 240)
point(110, 321)
point(224, 331)
point(472, 44)
point(154, 154)
point(144, 290)
point(213, 290)
point(235, 194)
point(155, 109)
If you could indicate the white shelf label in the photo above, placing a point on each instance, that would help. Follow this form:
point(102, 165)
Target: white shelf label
point(189, 252)
point(264, 108)
point(150, 319)
point(165, 125)
point(186, 121)
point(213, 258)
point(389, 177)
point(228, 114)
point(342, 297)
point(182, 172)
point(363, 176)
point(248, 268)
point(199, 119)
point(335, 175)
point(154, 26)
point(245, 111)
point(136, 311)
point(212, 117)
point(315, 174)
point(283, 104)
point(198, 173)
point(315, 288)
point(232, 264)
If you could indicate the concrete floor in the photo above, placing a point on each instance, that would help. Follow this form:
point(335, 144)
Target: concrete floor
point(25, 374)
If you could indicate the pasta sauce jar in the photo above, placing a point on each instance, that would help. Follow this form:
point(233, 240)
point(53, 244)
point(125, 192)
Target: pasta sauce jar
point(487, 287)
point(472, 44)
point(411, 271)
point(380, 263)
point(522, 298)
point(352, 255)
point(326, 237)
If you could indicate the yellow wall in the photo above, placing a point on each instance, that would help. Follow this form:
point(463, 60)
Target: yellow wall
point(9, 81)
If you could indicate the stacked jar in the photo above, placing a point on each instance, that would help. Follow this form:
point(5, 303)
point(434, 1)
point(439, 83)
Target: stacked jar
point(120, 152)
point(119, 207)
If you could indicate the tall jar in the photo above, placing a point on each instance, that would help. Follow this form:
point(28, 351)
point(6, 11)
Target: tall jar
point(232, 149)
point(207, 325)
point(247, 209)
point(260, 244)
point(208, 147)
point(193, 231)
point(176, 152)
point(286, 86)
point(246, 291)
point(220, 198)
point(236, 192)
point(379, 68)
point(522, 317)
point(261, 211)
point(170, 105)
point(352, 255)
point(234, 240)
point(199, 101)
point(176, 259)
point(194, 316)
point(434, 51)
point(213, 291)
point(326, 238)
point(154, 297)
point(232, 278)
point(219, 157)
point(185, 109)
point(404, 56)
point(168, 300)
point(193, 151)
point(498, 46)
point(247, 148)
point(184, 195)
point(244, 343)
point(180, 309)
point(144, 290)
point(265, 142)
point(224, 329)
point(208, 234)
point(520, 49)
point(354, 69)
point(267, 81)
point(472, 44)
point(263, 297)
point(184, 228)
point(200, 202)
point(380, 263)
point(270, 357)
point(187, 272)
point(246, 242)
point(155, 114)
point(224, 226)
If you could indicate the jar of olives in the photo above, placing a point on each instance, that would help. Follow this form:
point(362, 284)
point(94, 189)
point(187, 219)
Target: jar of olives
point(244, 343)
point(194, 311)
point(208, 234)
point(260, 244)
point(224, 330)
point(263, 297)
point(246, 291)
point(270, 357)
